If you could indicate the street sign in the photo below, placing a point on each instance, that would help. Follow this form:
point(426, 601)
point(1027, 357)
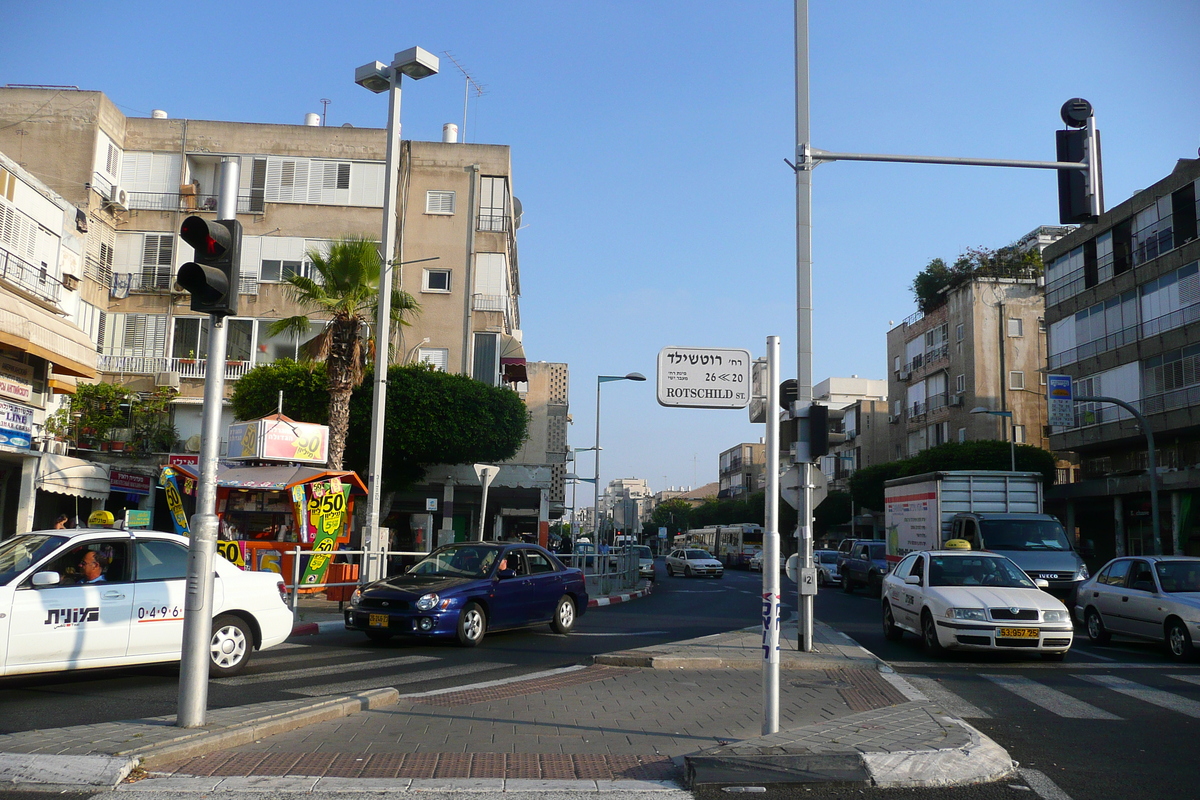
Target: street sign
point(1060, 402)
point(703, 377)
point(758, 391)
point(789, 486)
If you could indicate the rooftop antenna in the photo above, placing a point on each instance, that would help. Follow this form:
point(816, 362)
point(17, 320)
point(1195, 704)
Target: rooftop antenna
point(470, 83)
point(325, 101)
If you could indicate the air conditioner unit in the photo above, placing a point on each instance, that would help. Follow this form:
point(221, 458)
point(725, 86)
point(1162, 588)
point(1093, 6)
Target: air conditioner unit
point(118, 198)
point(892, 418)
point(170, 379)
point(956, 400)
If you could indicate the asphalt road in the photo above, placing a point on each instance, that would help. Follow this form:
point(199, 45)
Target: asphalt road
point(342, 661)
point(1118, 721)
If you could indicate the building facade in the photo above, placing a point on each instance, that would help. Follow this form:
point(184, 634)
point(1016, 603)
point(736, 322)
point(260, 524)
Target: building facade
point(741, 470)
point(1123, 312)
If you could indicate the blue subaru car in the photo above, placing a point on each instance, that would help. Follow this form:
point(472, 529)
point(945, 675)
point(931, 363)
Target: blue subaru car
point(465, 589)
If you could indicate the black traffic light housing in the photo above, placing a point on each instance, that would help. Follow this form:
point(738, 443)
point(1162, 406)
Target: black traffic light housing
point(1076, 187)
point(826, 428)
point(212, 279)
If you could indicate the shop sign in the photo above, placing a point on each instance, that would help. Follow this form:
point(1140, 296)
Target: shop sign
point(278, 440)
point(16, 425)
point(186, 460)
point(16, 380)
point(135, 518)
point(130, 482)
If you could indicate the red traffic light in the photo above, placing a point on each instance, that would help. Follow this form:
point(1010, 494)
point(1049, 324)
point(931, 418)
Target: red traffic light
point(208, 239)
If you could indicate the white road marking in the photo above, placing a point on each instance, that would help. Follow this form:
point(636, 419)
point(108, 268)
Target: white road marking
point(1089, 654)
point(339, 668)
point(1187, 678)
point(1157, 697)
point(948, 700)
point(1042, 785)
point(1054, 701)
point(549, 673)
point(630, 633)
point(350, 687)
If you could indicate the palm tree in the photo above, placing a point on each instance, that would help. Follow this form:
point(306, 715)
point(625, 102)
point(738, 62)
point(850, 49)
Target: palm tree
point(344, 286)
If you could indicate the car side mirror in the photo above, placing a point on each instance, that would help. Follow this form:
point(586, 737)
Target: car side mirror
point(506, 573)
point(913, 580)
point(46, 579)
point(1041, 583)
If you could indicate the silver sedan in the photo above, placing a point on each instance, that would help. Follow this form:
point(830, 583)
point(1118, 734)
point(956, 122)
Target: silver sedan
point(1154, 598)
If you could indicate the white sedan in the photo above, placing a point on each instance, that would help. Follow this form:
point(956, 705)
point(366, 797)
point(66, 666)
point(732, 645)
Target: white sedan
point(956, 599)
point(689, 561)
point(83, 598)
point(756, 562)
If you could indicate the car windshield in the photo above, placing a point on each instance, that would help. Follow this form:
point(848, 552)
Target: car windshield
point(458, 561)
point(643, 551)
point(1023, 534)
point(18, 553)
point(1179, 576)
point(694, 554)
point(977, 571)
point(879, 551)
point(827, 556)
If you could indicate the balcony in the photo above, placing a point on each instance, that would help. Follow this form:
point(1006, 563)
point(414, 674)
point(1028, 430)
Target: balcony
point(192, 368)
point(493, 223)
point(17, 272)
point(175, 201)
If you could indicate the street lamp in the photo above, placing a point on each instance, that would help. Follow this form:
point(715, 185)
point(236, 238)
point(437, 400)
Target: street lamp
point(415, 63)
point(575, 481)
point(1012, 442)
point(600, 380)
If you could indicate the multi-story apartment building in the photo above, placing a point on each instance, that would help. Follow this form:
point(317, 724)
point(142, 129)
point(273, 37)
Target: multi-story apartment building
point(741, 470)
point(42, 353)
point(863, 401)
point(301, 186)
point(984, 347)
point(1123, 312)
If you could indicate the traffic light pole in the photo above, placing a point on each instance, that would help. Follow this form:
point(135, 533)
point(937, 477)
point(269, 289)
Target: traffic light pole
point(198, 602)
point(771, 549)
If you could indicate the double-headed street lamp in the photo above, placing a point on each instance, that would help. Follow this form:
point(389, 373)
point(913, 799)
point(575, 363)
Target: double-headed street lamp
point(1012, 442)
point(416, 63)
point(600, 380)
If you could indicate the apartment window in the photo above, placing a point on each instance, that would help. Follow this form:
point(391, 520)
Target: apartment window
point(958, 332)
point(493, 204)
point(258, 185)
point(7, 184)
point(439, 202)
point(1016, 380)
point(1016, 327)
point(486, 363)
point(158, 268)
point(962, 435)
point(436, 280)
point(1018, 434)
point(960, 383)
point(439, 357)
point(190, 339)
point(278, 270)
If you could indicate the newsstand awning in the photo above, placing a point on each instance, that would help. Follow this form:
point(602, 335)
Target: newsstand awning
point(276, 478)
point(73, 476)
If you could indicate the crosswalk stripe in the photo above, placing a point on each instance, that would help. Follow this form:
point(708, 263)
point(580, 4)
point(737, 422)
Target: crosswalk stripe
point(340, 667)
point(1054, 701)
point(1157, 697)
point(349, 687)
point(1187, 678)
point(950, 702)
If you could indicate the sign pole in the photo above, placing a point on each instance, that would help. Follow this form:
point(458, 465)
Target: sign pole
point(770, 589)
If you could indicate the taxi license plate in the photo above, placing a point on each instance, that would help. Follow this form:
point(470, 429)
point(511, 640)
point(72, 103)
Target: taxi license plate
point(1018, 633)
point(378, 621)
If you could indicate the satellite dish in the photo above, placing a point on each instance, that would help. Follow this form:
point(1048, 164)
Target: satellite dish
point(192, 445)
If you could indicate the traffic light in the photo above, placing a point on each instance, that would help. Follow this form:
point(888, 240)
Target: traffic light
point(212, 279)
point(1080, 192)
point(825, 429)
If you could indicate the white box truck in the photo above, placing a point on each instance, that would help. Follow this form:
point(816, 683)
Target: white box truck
point(996, 511)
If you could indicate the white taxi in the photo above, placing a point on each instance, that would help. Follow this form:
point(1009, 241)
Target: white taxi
point(83, 598)
point(955, 599)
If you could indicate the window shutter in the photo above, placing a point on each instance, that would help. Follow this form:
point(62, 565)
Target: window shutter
point(439, 202)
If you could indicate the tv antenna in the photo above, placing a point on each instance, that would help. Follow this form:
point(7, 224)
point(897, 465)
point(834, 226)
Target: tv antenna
point(325, 101)
point(469, 85)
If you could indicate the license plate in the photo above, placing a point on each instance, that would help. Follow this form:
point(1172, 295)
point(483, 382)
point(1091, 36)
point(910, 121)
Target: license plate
point(1018, 633)
point(378, 621)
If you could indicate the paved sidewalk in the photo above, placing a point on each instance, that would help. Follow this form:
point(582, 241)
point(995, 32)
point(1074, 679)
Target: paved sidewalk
point(647, 720)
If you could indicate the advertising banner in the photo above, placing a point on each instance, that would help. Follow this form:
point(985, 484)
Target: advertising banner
point(169, 481)
point(327, 504)
point(16, 425)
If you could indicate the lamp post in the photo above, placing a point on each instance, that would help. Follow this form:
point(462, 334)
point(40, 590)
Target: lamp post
point(600, 380)
point(1012, 442)
point(415, 63)
point(575, 481)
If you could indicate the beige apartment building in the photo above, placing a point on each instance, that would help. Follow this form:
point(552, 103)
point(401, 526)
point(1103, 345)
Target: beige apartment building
point(301, 186)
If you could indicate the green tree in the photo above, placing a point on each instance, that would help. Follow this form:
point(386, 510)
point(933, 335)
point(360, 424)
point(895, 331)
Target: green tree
point(671, 514)
point(304, 387)
point(346, 289)
point(932, 284)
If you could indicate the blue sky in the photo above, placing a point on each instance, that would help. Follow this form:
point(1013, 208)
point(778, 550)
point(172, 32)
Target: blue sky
point(648, 141)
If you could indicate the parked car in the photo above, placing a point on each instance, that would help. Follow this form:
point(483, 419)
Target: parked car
point(865, 565)
point(56, 615)
point(690, 561)
point(463, 590)
point(827, 567)
point(756, 562)
point(645, 561)
point(586, 552)
point(1155, 598)
point(956, 599)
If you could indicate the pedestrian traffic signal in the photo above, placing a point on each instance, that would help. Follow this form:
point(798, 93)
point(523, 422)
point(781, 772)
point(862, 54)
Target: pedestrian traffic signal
point(826, 428)
point(212, 279)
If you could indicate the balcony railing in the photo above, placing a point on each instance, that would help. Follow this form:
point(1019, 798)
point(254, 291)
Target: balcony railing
point(1129, 335)
point(174, 201)
point(496, 223)
point(18, 272)
point(194, 368)
point(491, 302)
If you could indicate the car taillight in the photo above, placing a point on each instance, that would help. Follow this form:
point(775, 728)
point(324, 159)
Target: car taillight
point(283, 593)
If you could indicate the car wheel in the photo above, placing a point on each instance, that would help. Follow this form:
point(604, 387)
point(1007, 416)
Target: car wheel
point(1179, 642)
point(378, 636)
point(1095, 627)
point(564, 615)
point(847, 585)
point(670, 572)
point(687, 572)
point(929, 634)
point(230, 646)
point(1053, 656)
point(890, 631)
point(472, 625)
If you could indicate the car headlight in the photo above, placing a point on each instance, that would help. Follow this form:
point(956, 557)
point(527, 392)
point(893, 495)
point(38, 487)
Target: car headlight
point(966, 613)
point(427, 601)
point(355, 596)
point(1082, 575)
point(1056, 615)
